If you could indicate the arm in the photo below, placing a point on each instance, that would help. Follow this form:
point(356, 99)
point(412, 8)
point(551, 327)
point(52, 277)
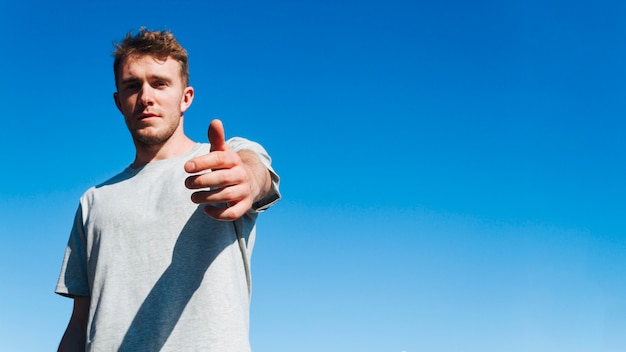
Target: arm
point(75, 337)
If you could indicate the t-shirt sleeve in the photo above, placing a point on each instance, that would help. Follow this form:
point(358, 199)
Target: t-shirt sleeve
point(238, 143)
point(73, 279)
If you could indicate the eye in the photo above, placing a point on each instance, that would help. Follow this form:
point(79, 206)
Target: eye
point(131, 86)
point(159, 84)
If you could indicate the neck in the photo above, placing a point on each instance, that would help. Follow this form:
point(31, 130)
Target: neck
point(177, 145)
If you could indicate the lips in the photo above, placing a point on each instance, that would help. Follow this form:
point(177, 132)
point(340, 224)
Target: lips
point(147, 115)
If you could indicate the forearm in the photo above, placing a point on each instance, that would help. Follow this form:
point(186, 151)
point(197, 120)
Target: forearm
point(261, 179)
point(75, 336)
point(74, 339)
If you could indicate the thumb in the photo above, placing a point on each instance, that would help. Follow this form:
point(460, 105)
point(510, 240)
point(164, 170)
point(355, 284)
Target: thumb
point(216, 136)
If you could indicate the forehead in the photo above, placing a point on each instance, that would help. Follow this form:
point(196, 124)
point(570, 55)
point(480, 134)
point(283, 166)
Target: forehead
point(147, 65)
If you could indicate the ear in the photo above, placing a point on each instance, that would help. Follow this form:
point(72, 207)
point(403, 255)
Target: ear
point(187, 99)
point(116, 98)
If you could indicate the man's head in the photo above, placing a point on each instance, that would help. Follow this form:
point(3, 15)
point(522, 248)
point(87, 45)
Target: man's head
point(152, 87)
point(158, 44)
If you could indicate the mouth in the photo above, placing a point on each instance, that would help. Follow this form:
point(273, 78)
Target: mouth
point(146, 115)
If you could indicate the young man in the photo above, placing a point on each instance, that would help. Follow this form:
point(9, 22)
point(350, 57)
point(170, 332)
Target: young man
point(158, 257)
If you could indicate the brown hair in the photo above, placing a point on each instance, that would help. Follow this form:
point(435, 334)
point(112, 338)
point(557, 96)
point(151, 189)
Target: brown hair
point(159, 44)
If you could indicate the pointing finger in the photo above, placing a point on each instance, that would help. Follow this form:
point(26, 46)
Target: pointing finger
point(217, 136)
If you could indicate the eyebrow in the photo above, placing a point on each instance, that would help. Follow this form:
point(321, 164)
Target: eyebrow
point(160, 78)
point(128, 80)
point(151, 78)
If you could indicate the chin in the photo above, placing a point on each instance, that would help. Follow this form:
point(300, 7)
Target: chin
point(150, 139)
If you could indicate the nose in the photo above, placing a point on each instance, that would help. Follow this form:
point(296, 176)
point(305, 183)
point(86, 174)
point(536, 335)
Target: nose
point(146, 95)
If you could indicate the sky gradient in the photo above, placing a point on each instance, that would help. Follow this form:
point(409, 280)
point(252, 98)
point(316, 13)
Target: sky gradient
point(453, 172)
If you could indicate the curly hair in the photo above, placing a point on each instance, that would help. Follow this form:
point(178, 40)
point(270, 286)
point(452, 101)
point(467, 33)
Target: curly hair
point(159, 44)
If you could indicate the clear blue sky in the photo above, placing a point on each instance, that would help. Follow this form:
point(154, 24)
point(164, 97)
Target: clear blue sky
point(453, 172)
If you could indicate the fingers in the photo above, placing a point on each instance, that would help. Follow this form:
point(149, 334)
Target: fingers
point(230, 187)
point(217, 179)
point(230, 195)
point(217, 160)
point(228, 181)
point(234, 203)
point(217, 136)
point(220, 157)
point(226, 214)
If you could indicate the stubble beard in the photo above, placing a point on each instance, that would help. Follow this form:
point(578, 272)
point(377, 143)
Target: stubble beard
point(148, 137)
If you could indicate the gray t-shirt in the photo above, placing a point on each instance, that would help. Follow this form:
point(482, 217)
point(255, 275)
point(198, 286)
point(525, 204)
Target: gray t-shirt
point(161, 274)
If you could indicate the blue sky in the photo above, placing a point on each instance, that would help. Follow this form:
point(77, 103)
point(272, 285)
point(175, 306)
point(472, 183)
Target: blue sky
point(453, 172)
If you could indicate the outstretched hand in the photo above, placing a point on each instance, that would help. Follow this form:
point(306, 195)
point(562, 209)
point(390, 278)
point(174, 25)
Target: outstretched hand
point(224, 179)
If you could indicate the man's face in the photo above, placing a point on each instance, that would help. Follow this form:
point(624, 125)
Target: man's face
point(152, 98)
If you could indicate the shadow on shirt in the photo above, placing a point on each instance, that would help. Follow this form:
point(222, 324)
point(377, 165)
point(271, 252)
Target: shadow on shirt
point(196, 248)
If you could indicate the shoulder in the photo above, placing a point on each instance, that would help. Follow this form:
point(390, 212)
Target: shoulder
point(200, 148)
point(240, 143)
point(88, 196)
